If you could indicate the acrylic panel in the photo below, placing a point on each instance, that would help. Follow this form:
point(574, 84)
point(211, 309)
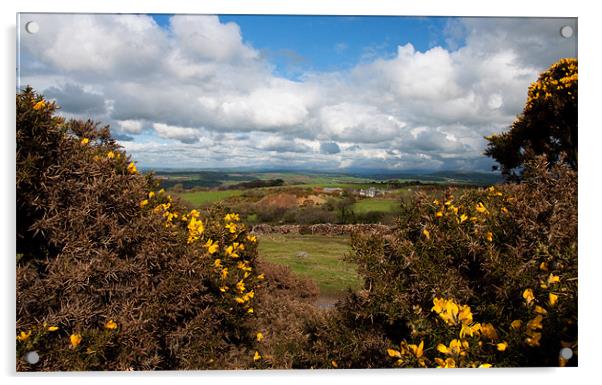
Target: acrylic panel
point(295, 192)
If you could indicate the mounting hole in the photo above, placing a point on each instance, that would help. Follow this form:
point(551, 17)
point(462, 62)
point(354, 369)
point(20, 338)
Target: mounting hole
point(32, 27)
point(32, 357)
point(566, 353)
point(566, 31)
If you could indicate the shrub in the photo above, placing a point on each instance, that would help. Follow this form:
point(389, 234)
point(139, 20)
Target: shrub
point(485, 277)
point(547, 126)
point(114, 275)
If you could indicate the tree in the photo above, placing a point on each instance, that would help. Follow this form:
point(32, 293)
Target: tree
point(547, 126)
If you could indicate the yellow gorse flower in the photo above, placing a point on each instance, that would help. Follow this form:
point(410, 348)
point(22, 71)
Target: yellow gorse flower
point(481, 208)
point(195, 229)
point(540, 310)
point(489, 331)
point(143, 203)
point(516, 324)
point(52, 328)
point(110, 155)
point(447, 363)
point(417, 350)
point(451, 312)
point(489, 236)
point(132, 168)
point(85, 141)
point(75, 339)
point(24, 336)
point(463, 218)
point(456, 348)
point(528, 296)
point(470, 330)
point(111, 325)
point(231, 227)
point(240, 286)
point(256, 356)
point(243, 266)
point(426, 233)
point(231, 252)
point(232, 217)
point(543, 266)
point(211, 246)
point(259, 336)
point(251, 238)
point(151, 195)
point(502, 346)
point(553, 299)
point(39, 105)
point(535, 323)
point(553, 279)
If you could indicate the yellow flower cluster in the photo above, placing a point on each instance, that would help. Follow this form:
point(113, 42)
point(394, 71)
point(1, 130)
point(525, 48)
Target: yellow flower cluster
point(534, 326)
point(460, 214)
point(560, 77)
point(451, 312)
point(195, 229)
point(75, 339)
point(132, 168)
point(39, 105)
point(458, 348)
point(409, 353)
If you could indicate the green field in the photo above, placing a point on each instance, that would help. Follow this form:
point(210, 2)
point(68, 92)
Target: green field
point(313, 256)
point(380, 205)
point(201, 197)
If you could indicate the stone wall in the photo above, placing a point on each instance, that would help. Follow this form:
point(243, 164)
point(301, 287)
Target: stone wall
point(321, 229)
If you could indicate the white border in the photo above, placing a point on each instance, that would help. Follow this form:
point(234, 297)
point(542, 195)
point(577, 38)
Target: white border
point(589, 212)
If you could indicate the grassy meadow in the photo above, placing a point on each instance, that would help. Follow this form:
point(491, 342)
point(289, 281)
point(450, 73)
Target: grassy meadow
point(317, 257)
point(377, 205)
point(199, 198)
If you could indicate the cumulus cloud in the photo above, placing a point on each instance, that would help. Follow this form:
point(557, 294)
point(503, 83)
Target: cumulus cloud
point(202, 96)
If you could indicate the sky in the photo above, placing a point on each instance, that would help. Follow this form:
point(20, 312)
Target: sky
point(297, 92)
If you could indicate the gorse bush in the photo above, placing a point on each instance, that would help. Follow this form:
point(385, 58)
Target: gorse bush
point(547, 126)
point(113, 274)
point(486, 277)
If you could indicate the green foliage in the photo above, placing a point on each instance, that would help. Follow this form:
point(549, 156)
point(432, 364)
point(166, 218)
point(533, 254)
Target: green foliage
point(547, 125)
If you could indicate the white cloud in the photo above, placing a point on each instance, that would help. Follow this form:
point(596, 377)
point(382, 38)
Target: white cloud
point(130, 126)
point(200, 84)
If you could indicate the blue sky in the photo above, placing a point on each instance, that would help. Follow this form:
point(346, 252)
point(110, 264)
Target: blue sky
point(297, 44)
point(310, 92)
